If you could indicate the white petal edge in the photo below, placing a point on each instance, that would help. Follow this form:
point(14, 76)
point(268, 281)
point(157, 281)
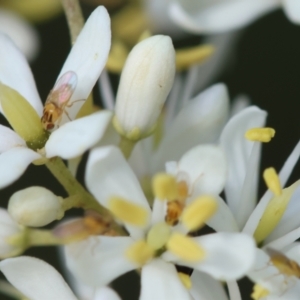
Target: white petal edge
point(35, 279)
point(88, 56)
point(292, 9)
point(206, 168)
point(74, 138)
point(106, 293)
point(21, 80)
point(220, 17)
point(108, 174)
point(9, 139)
point(204, 287)
point(99, 260)
point(13, 164)
point(200, 121)
point(160, 282)
point(238, 151)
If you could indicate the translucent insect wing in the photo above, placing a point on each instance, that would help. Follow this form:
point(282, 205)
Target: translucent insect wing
point(65, 87)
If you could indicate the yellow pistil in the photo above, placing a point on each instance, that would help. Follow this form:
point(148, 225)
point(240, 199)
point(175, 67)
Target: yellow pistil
point(128, 212)
point(185, 248)
point(198, 212)
point(164, 186)
point(140, 252)
point(259, 292)
point(274, 212)
point(185, 279)
point(272, 181)
point(158, 235)
point(263, 135)
point(187, 57)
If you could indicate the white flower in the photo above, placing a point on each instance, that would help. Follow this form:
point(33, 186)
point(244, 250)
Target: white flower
point(100, 259)
point(223, 15)
point(276, 274)
point(20, 31)
point(242, 213)
point(38, 280)
point(87, 59)
point(8, 229)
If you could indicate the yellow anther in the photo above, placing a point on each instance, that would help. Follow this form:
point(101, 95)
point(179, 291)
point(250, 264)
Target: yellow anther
point(259, 292)
point(198, 212)
point(185, 279)
point(187, 57)
point(128, 212)
point(274, 212)
point(185, 248)
point(260, 134)
point(164, 186)
point(158, 235)
point(140, 252)
point(272, 181)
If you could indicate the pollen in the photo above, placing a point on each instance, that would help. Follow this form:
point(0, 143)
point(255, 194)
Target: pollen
point(259, 292)
point(185, 248)
point(140, 252)
point(164, 186)
point(198, 212)
point(263, 135)
point(158, 235)
point(174, 211)
point(272, 181)
point(185, 279)
point(128, 212)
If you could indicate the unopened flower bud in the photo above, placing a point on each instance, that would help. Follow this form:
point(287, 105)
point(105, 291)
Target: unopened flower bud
point(35, 206)
point(145, 83)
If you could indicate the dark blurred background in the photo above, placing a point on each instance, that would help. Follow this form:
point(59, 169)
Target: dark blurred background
point(265, 66)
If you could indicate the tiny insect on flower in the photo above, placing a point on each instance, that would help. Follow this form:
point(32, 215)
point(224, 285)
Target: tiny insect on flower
point(58, 99)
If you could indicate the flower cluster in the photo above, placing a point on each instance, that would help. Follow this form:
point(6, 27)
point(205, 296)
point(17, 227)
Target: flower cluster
point(171, 175)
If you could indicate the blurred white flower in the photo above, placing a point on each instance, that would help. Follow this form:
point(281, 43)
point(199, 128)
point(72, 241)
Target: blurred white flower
point(21, 32)
point(87, 59)
point(38, 280)
point(153, 244)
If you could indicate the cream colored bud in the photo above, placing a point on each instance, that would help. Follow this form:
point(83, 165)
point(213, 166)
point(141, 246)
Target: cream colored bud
point(35, 207)
point(145, 83)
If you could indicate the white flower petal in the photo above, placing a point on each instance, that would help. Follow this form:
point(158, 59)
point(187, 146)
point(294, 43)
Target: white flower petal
point(106, 293)
point(223, 219)
point(36, 279)
point(99, 260)
point(238, 152)
point(206, 167)
point(218, 16)
point(229, 256)
point(74, 138)
point(13, 164)
point(22, 81)
point(292, 9)
point(88, 56)
point(9, 139)
point(108, 174)
point(200, 121)
point(205, 287)
point(160, 282)
point(20, 31)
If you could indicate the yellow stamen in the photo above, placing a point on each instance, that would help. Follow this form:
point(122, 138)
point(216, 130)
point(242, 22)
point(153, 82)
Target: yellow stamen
point(185, 279)
point(274, 212)
point(263, 135)
point(272, 181)
point(158, 235)
point(128, 212)
point(140, 252)
point(164, 186)
point(259, 292)
point(187, 57)
point(117, 57)
point(198, 212)
point(185, 248)
point(145, 34)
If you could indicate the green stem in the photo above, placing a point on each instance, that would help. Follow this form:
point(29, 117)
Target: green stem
point(74, 17)
point(126, 146)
